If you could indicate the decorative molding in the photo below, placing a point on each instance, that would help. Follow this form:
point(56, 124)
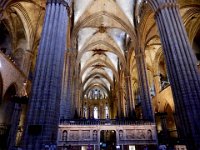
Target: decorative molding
point(66, 3)
point(166, 5)
point(139, 55)
point(81, 134)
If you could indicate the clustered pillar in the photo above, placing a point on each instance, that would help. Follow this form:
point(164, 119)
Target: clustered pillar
point(147, 112)
point(14, 126)
point(43, 115)
point(130, 105)
point(66, 98)
point(182, 69)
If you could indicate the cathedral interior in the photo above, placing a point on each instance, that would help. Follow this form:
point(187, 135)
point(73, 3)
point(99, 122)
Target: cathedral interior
point(99, 74)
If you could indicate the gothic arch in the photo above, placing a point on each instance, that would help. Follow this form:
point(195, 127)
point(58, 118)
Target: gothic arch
point(163, 103)
point(111, 48)
point(83, 22)
point(98, 74)
point(158, 56)
point(6, 3)
point(26, 21)
point(92, 86)
point(11, 90)
point(170, 117)
point(101, 62)
point(191, 21)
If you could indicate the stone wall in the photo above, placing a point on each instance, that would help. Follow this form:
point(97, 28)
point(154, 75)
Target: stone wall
point(10, 74)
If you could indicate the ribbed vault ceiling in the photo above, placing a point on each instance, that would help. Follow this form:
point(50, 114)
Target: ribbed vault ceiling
point(101, 28)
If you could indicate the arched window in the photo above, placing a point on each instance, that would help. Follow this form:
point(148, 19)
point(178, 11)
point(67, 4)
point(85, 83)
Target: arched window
point(85, 111)
point(106, 112)
point(95, 113)
point(95, 94)
point(64, 135)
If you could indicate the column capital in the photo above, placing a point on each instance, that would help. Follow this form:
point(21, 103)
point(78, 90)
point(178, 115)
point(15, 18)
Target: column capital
point(29, 52)
point(66, 3)
point(139, 55)
point(71, 52)
point(156, 75)
point(128, 76)
point(158, 5)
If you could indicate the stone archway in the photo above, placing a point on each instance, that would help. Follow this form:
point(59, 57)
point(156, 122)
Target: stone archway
point(108, 139)
point(171, 121)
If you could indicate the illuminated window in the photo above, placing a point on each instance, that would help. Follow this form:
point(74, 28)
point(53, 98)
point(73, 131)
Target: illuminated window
point(106, 112)
point(95, 113)
point(85, 112)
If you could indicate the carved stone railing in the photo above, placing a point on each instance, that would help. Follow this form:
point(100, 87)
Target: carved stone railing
point(103, 122)
point(84, 132)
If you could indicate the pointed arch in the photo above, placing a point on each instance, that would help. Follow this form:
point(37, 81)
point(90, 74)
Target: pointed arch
point(83, 22)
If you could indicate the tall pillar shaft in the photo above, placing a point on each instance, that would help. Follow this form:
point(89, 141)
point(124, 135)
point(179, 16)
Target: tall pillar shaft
point(43, 114)
point(66, 98)
point(130, 105)
point(27, 62)
point(147, 112)
point(182, 68)
point(76, 87)
point(118, 110)
point(156, 79)
point(14, 127)
point(120, 102)
point(163, 119)
point(75, 94)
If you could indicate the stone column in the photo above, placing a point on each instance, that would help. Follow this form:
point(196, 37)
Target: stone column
point(43, 114)
point(163, 120)
point(76, 85)
point(130, 105)
point(14, 127)
point(118, 108)
point(144, 92)
point(66, 97)
point(121, 112)
point(156, 79)
point(101, 108)
point(182, 69)
point(27, 62)
point(89, 114)
point(75, 97)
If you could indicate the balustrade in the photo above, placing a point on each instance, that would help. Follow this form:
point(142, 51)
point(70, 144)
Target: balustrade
point(103, 122)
